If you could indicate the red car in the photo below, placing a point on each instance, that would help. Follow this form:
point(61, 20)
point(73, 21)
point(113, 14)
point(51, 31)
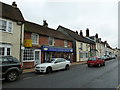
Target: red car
point(94, 60)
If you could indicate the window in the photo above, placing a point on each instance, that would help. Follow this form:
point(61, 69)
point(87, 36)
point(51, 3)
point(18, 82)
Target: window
point(65, 43)
point(35, 38)
point(5, 50)
point(10, 27)
point(81, 46)
point(51, 41)
point(28, 55)
point(5, 25)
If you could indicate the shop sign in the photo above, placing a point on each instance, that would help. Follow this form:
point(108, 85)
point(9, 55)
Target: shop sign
point(56, 49)
point(28, 43)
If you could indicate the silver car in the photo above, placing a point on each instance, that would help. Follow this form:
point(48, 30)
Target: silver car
point(52, 65)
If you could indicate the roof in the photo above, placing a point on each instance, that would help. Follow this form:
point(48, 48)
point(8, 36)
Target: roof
point(76, 36)
point(10, 12)
point(39, 29)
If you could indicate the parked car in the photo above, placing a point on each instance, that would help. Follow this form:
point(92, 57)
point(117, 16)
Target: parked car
point(52, 65)
point(11, 68)
point(94, 60)
point(106, 57)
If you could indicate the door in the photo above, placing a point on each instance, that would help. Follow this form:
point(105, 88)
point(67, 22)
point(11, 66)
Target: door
point(37, 56)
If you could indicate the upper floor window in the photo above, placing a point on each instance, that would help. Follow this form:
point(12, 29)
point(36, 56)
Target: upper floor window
point(51, 41)
point(35, 38)
point(65, 43)
point(5, 25)
point(81, 45)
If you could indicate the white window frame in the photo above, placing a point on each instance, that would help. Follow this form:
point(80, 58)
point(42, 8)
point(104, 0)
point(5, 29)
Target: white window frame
point(30, 57)
point(65, 43)
point(36, 37)
point(53, 41)
point(7, 26)
point(6, 46)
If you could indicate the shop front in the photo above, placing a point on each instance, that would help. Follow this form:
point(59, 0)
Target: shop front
point(57, 52)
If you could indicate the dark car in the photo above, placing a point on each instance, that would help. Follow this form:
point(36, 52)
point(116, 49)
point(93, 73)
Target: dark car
point(11, 68)
point(94, 60)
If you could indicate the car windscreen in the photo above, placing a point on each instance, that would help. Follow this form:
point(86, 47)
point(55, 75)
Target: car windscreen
point(92, 58)
point(51, 60)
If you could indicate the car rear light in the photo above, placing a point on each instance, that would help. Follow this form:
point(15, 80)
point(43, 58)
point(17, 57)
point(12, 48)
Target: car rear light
point(20, 65)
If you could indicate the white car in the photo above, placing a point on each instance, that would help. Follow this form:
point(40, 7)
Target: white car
point(52, 65)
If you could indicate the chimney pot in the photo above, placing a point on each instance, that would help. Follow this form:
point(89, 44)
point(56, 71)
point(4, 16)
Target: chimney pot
point(87, 32)
point(45, 24)
point(81, 33)
point(76, 31)
point(96, 35)
point(14, 4)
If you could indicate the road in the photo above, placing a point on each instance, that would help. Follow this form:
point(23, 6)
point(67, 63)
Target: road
point(79, 76)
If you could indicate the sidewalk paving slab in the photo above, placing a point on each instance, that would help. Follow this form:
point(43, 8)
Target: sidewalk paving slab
point(32, 69)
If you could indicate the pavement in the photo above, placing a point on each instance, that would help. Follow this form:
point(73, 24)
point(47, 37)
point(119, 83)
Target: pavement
point(32, 69)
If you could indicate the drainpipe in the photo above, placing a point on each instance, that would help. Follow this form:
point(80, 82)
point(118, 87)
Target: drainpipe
point(20, 54)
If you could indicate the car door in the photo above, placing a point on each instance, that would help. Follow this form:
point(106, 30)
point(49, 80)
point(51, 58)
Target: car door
point(63, 63)
point(57, 64)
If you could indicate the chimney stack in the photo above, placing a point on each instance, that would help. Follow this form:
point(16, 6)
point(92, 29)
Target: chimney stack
point(81, 33)
point(76, 31)
point(45, 24)
point(96, 35)
point(87, 32)
point(14, 4)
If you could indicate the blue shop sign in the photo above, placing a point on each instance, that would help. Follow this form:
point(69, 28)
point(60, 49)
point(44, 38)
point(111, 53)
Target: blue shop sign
point(56, 49)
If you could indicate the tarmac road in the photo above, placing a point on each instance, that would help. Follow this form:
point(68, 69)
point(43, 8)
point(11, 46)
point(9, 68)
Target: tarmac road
point(79, 76)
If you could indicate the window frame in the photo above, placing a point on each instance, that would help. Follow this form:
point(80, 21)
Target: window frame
point(5, 49)
point(53, 41)
point(65, 43)
point(25, 60)
point(7, 25)
point(37, 41)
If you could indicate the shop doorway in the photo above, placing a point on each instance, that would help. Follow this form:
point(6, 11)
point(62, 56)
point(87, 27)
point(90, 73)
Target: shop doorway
point(37, 56)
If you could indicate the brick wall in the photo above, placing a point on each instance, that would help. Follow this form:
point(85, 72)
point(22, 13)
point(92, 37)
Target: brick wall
point(43, 40)
point(27, 35)
point(59, 43)
point(69, 44)
point(28, 65)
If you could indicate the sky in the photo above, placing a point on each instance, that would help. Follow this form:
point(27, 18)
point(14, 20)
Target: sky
point(100, 16)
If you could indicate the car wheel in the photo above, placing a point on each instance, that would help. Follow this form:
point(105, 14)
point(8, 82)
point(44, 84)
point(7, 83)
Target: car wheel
point(88, 65)
point(99, 65)
point(67, 67)
point(103, 64)
point(12, 76)
point(49, 70)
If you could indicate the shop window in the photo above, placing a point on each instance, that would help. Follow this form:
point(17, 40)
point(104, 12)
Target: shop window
point(28, 55)
point(35, 38)
point(51, 41)
point(5, 25)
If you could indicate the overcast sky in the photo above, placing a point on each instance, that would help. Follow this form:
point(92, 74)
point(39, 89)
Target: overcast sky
point(100, 16)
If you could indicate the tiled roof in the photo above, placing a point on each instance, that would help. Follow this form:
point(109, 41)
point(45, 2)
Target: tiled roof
point(39, 29)
point(10, 12)
point(76, 36)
